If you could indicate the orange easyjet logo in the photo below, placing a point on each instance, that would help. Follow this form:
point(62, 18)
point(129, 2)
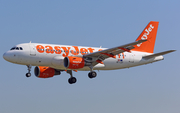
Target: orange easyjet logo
point(74, 50)
point(65, 51)
point(146, 33)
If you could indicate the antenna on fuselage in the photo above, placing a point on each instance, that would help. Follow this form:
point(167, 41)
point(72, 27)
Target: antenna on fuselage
point(30, 42)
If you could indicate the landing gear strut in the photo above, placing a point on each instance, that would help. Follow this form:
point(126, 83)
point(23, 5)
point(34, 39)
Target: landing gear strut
point(72, 79)
point(29, 70)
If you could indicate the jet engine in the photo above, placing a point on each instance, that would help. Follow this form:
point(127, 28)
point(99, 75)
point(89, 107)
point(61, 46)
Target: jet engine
point(75, 62)
point(45, 72)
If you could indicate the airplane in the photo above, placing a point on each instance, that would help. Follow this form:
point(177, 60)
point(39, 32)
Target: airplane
point(51, 59)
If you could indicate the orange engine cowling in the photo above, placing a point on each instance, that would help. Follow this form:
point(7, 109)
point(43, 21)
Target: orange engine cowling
point(45, 72)
point(74, 62)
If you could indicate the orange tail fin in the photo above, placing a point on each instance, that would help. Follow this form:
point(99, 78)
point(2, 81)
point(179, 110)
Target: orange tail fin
point(149, 33)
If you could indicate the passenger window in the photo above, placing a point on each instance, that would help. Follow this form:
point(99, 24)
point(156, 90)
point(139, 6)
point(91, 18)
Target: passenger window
point(17, 48)
point(21, 48)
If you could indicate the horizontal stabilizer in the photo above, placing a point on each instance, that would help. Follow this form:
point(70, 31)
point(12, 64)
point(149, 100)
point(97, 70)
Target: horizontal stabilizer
point(157, 54)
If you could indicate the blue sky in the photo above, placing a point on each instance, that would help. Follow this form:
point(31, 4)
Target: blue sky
point(152, 88)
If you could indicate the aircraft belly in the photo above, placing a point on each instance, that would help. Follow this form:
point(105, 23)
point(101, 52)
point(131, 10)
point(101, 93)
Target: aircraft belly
point(112, 63)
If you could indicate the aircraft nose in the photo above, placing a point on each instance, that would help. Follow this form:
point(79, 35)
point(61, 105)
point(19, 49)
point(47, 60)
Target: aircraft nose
point(10, 56)
point(6, 56)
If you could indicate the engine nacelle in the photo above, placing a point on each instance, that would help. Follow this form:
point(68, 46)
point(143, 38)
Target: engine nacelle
point(74, 62)
point(45, 72)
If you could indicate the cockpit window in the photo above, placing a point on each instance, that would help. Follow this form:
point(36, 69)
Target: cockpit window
point(13, 48)
point(16, 48)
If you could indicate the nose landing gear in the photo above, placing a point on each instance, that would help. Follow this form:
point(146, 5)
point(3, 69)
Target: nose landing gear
point(29, 71)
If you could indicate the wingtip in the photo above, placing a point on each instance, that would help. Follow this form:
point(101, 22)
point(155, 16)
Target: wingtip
point(172, 50)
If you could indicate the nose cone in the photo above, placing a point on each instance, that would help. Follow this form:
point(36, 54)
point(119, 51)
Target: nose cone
point(11, 56)
point(6, 56)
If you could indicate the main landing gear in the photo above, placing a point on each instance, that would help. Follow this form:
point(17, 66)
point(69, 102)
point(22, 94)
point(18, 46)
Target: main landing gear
point(72, 79)
point(29, 70)
point(92, 74)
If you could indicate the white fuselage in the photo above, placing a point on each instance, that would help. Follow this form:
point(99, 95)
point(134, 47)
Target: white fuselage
point(49, 55)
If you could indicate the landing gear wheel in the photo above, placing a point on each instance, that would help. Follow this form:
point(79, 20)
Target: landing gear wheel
point(72, 80)
point(92, 74)
point(28, 74)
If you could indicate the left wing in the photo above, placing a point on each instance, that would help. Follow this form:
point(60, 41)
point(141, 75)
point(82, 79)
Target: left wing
point(104, 54)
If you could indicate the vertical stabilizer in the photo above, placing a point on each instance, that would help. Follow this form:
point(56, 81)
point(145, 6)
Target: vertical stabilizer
point(149, 33)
